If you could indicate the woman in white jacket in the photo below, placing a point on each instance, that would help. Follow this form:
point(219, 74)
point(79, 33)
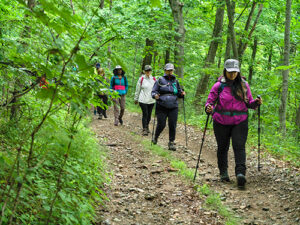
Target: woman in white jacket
point(143, 97)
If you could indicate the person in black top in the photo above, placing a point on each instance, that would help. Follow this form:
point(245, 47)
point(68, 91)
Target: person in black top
point(166, 91)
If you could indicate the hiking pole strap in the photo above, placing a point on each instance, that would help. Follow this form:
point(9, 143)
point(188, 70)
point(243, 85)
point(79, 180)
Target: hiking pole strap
point(197, 166)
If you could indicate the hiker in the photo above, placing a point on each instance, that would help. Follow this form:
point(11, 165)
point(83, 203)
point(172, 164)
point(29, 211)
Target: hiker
point(166, 91)
point(103, 80)
point(228, 102)
point(43, 82)
point(143, 97)
point(119, 83)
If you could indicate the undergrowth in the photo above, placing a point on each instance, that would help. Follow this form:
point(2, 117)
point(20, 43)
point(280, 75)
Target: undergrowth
point(79, 189)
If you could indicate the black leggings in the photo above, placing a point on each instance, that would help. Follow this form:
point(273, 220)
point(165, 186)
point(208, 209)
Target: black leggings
point(238, 134)
point(104, 99)
point(162, 114)
point(147, 110)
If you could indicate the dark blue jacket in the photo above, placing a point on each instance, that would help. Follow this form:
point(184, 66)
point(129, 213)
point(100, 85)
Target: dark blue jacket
point(166, 87)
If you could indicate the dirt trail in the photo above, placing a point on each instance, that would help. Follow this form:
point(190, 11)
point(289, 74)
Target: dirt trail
point(144, 191)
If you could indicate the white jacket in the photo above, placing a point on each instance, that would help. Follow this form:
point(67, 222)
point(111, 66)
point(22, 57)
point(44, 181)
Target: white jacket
point(143, 92)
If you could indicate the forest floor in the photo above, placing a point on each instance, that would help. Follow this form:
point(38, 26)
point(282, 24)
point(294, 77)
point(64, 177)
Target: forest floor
point(145, 189)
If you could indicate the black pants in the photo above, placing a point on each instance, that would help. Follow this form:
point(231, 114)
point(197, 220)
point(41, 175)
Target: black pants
point(104, 99)
point(147, 111)
point(238, 134)
point(162, 115)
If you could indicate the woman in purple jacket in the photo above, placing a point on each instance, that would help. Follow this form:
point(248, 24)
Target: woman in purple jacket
point(228, 102)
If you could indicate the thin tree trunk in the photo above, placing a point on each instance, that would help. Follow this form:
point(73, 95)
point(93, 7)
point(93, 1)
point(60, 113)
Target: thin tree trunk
point(210, 59)
point(230, 13)
point(102, 4)
point(228, 45)
point(254, 49)
point(176, 7)
point(148, 53)
point(247, 25)
point(244, 46)
point(134, 65)
point(72, 7)
point(271, 47)
point(285, 73)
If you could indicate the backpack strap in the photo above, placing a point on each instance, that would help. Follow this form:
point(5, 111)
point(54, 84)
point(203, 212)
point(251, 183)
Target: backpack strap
point(142, 79)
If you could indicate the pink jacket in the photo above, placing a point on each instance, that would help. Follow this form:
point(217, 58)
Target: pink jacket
point(228, 103)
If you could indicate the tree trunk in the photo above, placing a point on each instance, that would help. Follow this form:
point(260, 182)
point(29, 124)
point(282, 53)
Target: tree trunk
point(285, 73)
point(245, 44)
point(254, 49)
point(148, 53)
point(247, 25)
point(134, 66)
point(176, 7)
point(72, 7)
point(230, 13)
point(271, 47)
point(228, 45)
point(101, 4)
point(210, 58)
point(110, 4)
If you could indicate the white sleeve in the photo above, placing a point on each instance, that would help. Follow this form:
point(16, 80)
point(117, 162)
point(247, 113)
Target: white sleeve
point(137, 90)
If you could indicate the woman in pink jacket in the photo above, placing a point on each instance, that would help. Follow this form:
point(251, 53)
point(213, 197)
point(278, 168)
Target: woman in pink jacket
point(228, 102)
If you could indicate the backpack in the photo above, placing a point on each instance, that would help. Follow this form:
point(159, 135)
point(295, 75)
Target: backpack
point(223, 85)
point(142, 78)
point(125, 80)
point(174, 85)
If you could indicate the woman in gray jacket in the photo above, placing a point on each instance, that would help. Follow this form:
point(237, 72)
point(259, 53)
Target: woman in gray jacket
point(143, 97)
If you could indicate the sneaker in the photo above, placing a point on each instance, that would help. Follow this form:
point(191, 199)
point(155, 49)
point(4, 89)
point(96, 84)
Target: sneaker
point(154, 141)
point(121, 121)
point(224, 177)
point(145, 132)
point(171, 146)
point(241, 180)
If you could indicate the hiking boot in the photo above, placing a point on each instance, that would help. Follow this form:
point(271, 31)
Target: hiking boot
point(145, 132)
point(154, 141)
point(224, 177)
point(116, 123)
point(104, 114)
point(241, 180)
point(100, 117)
point(171, 146)
point(121, 121)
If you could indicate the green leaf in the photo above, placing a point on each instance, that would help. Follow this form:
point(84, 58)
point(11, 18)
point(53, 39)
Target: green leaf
point(155, 3)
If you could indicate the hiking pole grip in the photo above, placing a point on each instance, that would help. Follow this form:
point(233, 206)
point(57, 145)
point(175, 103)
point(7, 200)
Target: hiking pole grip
point(258, 130)
point(197, 166)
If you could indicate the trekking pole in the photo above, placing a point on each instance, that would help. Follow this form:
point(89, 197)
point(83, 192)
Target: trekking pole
point(186, 143)
point(258, 130)
point(201, 147)
point(153, 123)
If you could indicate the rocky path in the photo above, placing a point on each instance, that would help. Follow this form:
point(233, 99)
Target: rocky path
point(146, 190)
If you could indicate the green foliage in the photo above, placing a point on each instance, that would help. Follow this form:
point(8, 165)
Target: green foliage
point(82, 177)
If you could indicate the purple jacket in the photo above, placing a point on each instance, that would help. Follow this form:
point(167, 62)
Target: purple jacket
point(228, 103)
